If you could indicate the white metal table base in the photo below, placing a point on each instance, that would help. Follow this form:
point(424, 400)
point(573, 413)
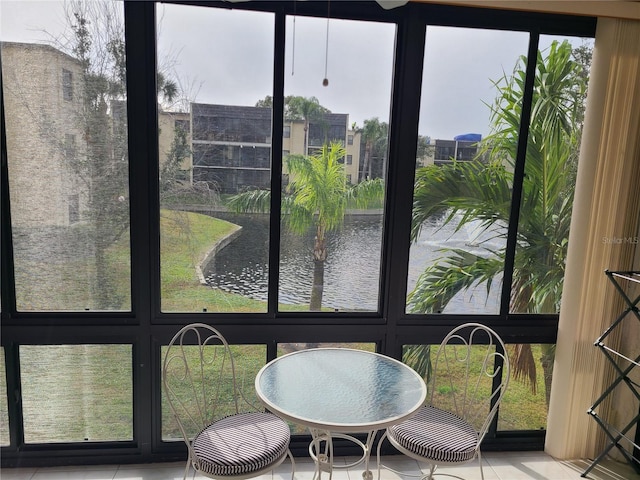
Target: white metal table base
point(321, 451)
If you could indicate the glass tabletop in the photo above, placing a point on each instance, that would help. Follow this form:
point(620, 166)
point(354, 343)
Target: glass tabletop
point(339, 389)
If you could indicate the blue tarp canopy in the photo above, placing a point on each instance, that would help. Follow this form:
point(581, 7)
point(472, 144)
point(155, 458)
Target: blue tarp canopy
point(468, 137)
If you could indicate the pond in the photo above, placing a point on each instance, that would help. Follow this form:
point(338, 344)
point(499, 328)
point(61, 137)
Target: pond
point(352, 269)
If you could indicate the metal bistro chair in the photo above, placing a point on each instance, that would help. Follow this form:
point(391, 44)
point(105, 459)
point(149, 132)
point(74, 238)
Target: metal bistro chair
point(463, 401)
point(199, 381)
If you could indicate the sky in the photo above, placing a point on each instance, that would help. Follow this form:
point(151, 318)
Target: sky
point(226, 56)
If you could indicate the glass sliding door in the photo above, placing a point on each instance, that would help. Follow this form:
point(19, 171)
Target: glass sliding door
point(551, 164)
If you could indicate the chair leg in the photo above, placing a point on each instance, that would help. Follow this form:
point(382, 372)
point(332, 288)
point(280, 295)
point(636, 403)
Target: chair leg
point(480, 462)
point(432, 468)
point(293, 465)
point(186, 469)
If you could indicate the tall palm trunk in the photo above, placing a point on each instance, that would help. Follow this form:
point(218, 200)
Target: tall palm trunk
point(315, 304)
point(319, 257)
point(366, 167)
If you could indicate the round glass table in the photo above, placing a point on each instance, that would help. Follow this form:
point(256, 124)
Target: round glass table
point(336, 391)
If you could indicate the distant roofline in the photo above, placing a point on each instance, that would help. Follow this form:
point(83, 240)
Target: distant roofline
point(253, 106)
point(174, 112)
point(43, 46)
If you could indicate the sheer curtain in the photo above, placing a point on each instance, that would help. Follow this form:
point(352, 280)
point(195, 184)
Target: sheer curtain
point(604, 225)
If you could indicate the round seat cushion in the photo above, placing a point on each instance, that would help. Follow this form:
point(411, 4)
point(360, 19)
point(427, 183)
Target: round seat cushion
point(437, 435)
point(241, 444)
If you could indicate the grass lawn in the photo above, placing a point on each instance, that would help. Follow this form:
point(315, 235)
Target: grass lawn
point(521, 408)
point(185, 238)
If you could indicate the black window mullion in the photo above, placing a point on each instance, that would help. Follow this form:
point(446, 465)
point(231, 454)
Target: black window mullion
point(14, 394)
point(277, 122)
point(8, 285)
point(518, 174)
point(145, 214)
point(403, 126)
point(143, 158)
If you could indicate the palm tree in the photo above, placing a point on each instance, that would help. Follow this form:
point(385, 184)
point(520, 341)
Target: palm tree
point(305, 109)
point(317, 197)
point(167, 88)
point(475, 191)
point(374, 135)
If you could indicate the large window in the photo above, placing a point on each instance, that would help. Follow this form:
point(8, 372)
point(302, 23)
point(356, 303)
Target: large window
point(331, 241)
point(211, 259)
point(466, 185)
point(70, 255)
point(450, 230)
point(86, 397)
point(369, 179)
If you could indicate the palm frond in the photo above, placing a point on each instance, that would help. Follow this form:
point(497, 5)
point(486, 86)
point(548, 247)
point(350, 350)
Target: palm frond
point(523, 365)
point(456, 271)
point(476, 190)
point(255, 201)
point(418, 357)
point(366, 192)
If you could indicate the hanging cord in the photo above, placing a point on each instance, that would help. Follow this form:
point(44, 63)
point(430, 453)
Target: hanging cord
point(325, 81)
point(293, 44)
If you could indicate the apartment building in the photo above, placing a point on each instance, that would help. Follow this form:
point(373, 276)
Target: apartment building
point(168, 124)
point(43, 92)
point(447, 151)
point(231, 145)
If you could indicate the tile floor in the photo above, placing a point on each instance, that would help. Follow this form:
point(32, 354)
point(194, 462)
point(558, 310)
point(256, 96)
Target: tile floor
point(496, 466)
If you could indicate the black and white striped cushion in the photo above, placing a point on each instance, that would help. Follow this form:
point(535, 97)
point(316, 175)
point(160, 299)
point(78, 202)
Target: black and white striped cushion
point(437, 435)
point(241, 444)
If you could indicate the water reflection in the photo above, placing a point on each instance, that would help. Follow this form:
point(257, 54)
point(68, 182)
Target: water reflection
point(352, 269)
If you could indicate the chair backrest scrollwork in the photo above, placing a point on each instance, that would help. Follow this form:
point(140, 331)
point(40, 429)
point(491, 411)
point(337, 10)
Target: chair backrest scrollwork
point(470, 375)
point(199, 380)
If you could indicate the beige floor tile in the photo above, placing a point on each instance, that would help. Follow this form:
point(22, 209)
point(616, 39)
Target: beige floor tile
point(496, 465)
point(306, 468)
point(156, 471)
point(89, 472)
point(527, 466)
point(396, 467)
point(466, 471)
point(356, 466)
point(283, 471)
point(605, 470)
point(17, 473)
